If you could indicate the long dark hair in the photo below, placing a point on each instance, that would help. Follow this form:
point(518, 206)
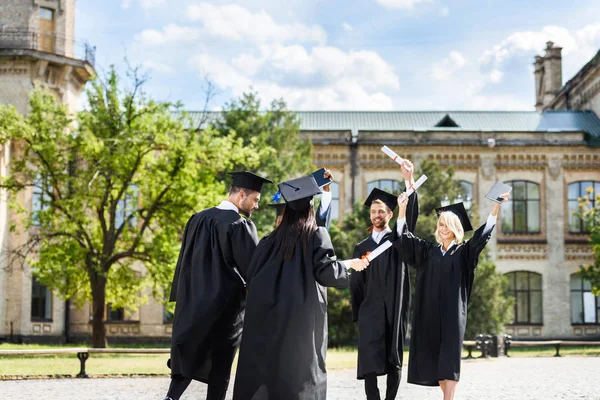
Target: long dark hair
point(297, 226)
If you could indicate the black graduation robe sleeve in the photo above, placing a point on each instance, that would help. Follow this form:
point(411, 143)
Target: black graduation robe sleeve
point(412, 212)
point(173, 295)
point(243, 239)
point(414, 250)
point(326, 220)
point(358, 281)
point(327, 270)
point(475, 245)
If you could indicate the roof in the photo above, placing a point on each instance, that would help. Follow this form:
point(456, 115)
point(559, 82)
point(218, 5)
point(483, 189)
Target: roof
point(466, 121)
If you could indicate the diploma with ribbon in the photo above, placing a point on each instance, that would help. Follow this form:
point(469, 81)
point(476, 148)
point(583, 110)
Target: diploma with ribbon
point(413, 188)
point(394, 156)
point(371, 255)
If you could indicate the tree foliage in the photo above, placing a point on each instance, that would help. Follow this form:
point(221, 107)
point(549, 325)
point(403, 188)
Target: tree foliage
point(115, 185)
point(273, 135)
point(590, 213)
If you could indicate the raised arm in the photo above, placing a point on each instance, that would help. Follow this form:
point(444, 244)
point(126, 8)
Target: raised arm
point(413, 250)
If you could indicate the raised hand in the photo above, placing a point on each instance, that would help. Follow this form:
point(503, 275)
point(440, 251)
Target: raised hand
point(402, 203)
point(496, 207)
point(327, 175)
point(407, 170)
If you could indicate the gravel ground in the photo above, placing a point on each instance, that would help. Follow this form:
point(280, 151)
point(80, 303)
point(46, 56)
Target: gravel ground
point(569, 378)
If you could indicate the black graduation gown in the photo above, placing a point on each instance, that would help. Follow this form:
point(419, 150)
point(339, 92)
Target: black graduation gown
point(282, 355)
point(380, 297)
point(443, 288)
point(209, 291)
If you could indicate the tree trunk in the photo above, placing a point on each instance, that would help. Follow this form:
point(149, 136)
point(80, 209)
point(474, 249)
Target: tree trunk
point(98, 306)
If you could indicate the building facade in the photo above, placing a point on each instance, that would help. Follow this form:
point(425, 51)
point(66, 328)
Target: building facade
point(549, 156)
point(36, 47)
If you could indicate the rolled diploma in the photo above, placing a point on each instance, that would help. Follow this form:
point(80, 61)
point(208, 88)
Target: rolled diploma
point(417, 184)
point(379, 250)
point(390, 153)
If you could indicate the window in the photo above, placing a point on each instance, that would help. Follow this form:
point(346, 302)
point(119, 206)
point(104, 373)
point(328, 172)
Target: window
point(41, 302)
point(388, 185)
point(40, 200)
point(168, 316)
point(585, 307)
point(335, 200)
point(127, 206)
point(114, 314)
point(576, 191)
point(47, 30)
point(526, 288)
point(521, 214)
point(467, 194)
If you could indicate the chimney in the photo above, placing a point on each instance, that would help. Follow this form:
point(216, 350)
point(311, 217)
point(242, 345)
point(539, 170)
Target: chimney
point(548, 70)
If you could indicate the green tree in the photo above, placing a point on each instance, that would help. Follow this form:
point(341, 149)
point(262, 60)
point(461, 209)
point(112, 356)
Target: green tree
point(273, 136)
point(120, 181)
point(591, 218)
point(489, 308)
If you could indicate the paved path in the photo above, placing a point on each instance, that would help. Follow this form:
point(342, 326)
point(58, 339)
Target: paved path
point(568, 378)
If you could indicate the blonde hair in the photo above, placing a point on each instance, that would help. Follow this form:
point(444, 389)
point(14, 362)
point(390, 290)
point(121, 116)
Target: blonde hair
point(453, 223)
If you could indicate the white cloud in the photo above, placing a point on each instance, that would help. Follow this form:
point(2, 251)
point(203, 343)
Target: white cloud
point(347, 27)
point(444, 11)
point(126, 4)
point(445, 69)
point(496, 76)
point(159, 67)
point(233, 22)
point(321, 78)
point(170, 33)
point(402, 4)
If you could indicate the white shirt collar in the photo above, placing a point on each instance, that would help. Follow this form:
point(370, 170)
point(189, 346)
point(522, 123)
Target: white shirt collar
point(227, 205)
point(377, 236)
point(452, 243)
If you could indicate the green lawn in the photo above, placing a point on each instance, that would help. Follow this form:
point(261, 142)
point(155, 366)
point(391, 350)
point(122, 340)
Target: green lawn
point(117, 364)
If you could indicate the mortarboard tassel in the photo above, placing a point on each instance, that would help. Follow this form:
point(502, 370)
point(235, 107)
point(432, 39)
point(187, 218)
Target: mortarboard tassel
point(276, 197)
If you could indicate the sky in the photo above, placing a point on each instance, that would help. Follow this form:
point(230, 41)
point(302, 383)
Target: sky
point(341, 55)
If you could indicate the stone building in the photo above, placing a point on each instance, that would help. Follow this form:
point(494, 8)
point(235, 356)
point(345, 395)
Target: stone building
point(549, 156)
point(36, 46)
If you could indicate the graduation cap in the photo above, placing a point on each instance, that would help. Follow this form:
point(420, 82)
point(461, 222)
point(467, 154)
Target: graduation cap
point(298, 193)
point(388, 199)
point(248, 180)
point(279, 208)
point(459, 210)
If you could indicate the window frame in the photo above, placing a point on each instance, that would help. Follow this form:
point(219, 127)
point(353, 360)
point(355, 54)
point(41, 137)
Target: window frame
point(49, 296)
point(513, 201)
point(583, 291)
point(581, 193)
point(377, 184)
point(513, 292)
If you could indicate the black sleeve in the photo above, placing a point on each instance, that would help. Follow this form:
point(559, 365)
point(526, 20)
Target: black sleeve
point(243, 239)
point(173, 294)
point(358, 281)
point(412, 212)
point(475, 246)
point(326, 221)
point(414, 251)
point(327, 270)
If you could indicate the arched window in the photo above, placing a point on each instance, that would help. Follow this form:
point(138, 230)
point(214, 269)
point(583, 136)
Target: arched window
point(40, 200)
point(576, 191)
point(521, 214)
point(388, 185)
point(526, 288)
point(467, 194)
point(585, 307)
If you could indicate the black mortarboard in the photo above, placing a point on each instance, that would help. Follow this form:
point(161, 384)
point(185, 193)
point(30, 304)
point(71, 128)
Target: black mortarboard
point(279, 208)
point(390, 200)
point(248, 180)
point(461, 213)
point(298, 193)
